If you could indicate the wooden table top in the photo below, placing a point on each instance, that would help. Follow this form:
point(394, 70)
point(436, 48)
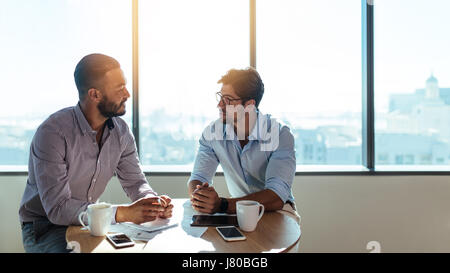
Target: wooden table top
point(275, 232)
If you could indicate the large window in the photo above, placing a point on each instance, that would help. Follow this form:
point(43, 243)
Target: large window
point(42, 41)
point(412, 82)
point(315, 59)
point(185, 47)
point(309, 57)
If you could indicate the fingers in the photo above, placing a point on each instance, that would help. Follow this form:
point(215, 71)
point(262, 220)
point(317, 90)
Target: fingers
point(165, 215)
point(203, 205)
point(204, 197)
point(209, 193)
point(203, 202)
point(162, 201)
point(166, 199)
point(203, 209)
point(151, 213)
point(202, 191)
point(200, 197)
point(202, 186)
point(167, 212)
point(152, 207)
point(168, 209)
point(149, 201)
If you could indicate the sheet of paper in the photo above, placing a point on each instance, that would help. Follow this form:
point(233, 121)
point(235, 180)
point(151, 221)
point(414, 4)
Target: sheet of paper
point(186, 221)
point(148, 230)
point(133, 233)
point(158, 224)
point(145, 231)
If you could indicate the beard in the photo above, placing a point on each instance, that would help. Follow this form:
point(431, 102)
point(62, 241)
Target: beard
point(109, 109)
point(225, 119)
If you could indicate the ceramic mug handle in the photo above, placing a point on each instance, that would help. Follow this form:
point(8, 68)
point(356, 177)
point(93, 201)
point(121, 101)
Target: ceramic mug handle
point(262, 212)
point(80, 219)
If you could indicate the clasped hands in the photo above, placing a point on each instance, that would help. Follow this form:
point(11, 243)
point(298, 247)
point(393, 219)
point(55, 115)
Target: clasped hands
point(145, 210)
point(205, 199)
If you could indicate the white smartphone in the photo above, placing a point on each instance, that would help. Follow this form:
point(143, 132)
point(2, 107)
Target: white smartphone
point(230, 233)
point(119, 240)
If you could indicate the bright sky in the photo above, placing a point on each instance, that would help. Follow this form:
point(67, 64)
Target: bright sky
point(42, 41)
point(308, 52)
point(411, 42)
point(185, 47)
point(309, 55)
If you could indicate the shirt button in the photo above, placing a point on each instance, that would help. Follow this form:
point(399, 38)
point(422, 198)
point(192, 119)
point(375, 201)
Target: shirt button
point(90, 198)
point(93, 180)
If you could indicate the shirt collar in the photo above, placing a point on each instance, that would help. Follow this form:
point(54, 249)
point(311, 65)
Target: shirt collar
point(261, 123)
point(84, 124)
point(110, 123)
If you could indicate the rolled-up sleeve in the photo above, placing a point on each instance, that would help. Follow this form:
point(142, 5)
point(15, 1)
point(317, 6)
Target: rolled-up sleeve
point(130, 172)
point(50, 168)
point(280, 170)
point(206, 162)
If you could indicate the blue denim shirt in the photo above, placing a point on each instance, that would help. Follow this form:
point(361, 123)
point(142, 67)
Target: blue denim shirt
point(267, 161)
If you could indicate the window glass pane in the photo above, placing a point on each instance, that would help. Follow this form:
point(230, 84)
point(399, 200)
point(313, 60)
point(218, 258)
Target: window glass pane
point(185, 47)
point(412, 82)
point(309, 57)
point(42, 41)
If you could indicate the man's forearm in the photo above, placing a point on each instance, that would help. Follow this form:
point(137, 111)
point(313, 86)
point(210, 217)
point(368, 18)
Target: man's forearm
point(268, 198)
point(192, 186)
point(121, 214)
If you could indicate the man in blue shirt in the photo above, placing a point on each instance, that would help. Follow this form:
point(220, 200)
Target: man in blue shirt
point(255, 151)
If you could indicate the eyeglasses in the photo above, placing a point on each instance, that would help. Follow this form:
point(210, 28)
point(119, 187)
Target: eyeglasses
point(226, 100)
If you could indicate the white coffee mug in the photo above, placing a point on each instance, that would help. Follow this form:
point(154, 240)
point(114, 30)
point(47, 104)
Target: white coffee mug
point(248, 214)
point(99, 218)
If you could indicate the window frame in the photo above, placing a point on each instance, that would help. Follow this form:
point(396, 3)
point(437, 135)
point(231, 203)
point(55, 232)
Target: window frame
point(367, 168)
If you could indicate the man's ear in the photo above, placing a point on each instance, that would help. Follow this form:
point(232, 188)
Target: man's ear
point(94, 94)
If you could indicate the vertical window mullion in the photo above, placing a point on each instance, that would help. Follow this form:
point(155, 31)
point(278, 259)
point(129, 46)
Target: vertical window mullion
point(368, 107)
point(135, 41)
point(253, 33)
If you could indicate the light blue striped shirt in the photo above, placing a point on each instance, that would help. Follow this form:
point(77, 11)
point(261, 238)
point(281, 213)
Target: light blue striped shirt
point(266, 162)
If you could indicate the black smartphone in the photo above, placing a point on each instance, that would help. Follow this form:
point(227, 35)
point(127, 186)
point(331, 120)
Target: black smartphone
point(214, 220)
point(119, 240)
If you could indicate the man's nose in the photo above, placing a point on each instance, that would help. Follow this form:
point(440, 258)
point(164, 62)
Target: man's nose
point(221, 105)
point(127, 94)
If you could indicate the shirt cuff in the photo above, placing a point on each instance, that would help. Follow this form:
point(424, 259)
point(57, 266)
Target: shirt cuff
point(199, 178)
point(114, 211)
point(149, 195)
point(280, 188)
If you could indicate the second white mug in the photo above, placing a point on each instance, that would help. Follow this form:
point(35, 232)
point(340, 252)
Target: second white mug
point(248, 214)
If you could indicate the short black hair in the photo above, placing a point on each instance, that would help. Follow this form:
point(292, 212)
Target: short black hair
point(90, 69)
point(246, 83)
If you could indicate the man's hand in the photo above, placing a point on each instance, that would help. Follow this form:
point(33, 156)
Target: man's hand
point(167, 213)
point(143, 210)
point(205, 199)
